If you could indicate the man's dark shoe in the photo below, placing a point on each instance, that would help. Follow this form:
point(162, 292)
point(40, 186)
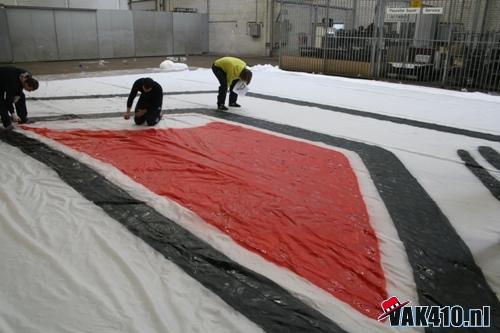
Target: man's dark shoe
point(234, 105)
point(222, 107)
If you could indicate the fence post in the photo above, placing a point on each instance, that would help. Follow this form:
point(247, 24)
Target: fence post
point(380, 36)
point(448, 54)
point(378, 30)
point(374, 34)
point(280, 25)
point(325, 38)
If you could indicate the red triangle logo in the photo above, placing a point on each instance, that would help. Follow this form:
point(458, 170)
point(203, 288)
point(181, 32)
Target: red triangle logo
point(295, 204)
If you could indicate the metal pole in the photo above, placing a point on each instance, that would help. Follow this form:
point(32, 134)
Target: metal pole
point(374, 35)
point(378, 30)
point(448, 54)
point(315, 3)
point(485, 15)
point(256, 4)
point(380, 35)
point(354, 13)
point(281, 34)
point(475, 19)
point(324, 45)
point(313, 19)
point(271, 27)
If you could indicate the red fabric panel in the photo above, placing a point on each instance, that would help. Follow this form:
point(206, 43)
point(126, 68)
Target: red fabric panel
point(295, 204)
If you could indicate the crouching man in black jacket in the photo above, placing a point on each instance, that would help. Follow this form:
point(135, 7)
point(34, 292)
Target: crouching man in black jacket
point(148, 107)
point(12, 82)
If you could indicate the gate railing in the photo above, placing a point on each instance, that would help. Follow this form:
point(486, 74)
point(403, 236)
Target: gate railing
point(446, 43)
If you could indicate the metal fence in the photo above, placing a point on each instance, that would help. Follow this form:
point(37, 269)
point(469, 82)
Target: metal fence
point(446, 43)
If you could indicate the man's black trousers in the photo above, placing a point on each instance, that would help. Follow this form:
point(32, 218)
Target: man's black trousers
point(153, 115)
point(21, 110)
point(221, 97)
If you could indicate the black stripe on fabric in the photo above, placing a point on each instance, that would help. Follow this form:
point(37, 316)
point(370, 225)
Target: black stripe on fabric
point(70, 116)
point(403, 121)
point(59, 98)
point(490, 182)
point(444, 269)
point(490, 155)
point(264, 302)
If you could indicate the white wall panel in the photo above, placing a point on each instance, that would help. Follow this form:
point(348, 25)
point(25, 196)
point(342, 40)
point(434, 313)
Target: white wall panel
point(44, 3)
point(95, 4)
point(88, 4)
point(228, 27)
point(32, 34)
point(152, 33)
point(115, 33)
point(5, 48)
point(187, 37)
point(76, 34)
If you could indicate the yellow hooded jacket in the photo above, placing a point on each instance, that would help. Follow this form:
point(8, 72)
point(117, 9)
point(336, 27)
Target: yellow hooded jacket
point(232, 67)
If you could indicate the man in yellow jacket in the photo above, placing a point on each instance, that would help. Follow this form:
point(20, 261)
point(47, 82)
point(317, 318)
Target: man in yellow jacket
point(229, 71)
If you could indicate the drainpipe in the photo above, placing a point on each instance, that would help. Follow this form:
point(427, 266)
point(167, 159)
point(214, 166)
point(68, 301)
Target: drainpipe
point(256, 4)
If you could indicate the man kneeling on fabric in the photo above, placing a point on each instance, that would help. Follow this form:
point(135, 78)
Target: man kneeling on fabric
point(148, 107)
point(12, 82)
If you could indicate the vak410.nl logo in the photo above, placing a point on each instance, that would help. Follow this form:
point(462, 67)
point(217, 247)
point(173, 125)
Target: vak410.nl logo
point(401, 314)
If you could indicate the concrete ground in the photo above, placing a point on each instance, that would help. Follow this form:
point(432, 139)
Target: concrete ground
point(84, 66)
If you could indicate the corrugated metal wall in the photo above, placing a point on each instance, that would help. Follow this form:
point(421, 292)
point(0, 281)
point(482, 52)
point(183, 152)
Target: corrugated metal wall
point(76, 34)
point(153, 33)
point(5, 48)
point(36, 34)
point(87, 4)
point(116, 34)
point(32, 34)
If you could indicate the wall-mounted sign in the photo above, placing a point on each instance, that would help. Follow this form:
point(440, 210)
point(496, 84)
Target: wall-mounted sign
point(402, 11)
point(433, 10)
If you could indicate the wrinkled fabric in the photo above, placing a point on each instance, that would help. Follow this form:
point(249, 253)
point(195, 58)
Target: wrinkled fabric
point(295, 204)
